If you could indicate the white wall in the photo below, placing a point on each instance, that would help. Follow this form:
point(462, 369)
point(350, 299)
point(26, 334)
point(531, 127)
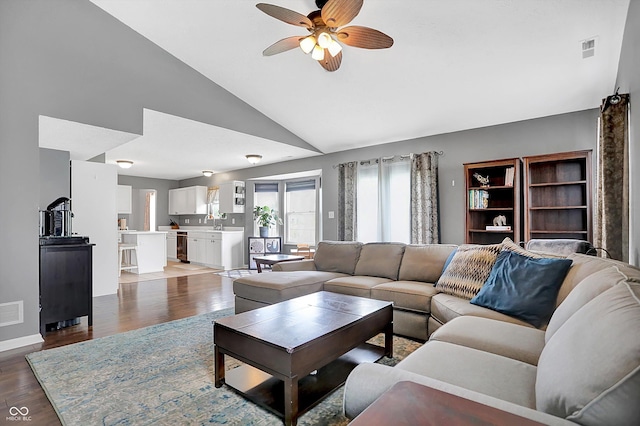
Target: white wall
point(95, 215)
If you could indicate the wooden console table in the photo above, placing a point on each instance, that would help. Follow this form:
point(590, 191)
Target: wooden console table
point(409, 403)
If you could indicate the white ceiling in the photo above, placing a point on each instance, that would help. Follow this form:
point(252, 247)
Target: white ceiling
point(455, 65)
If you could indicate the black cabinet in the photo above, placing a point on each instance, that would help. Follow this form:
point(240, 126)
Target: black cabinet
point(65, 280)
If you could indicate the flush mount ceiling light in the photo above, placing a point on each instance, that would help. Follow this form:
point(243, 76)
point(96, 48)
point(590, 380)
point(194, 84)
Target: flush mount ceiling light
point(324, 26)
point(125, 164)
point(207, 173)
point(253, 158)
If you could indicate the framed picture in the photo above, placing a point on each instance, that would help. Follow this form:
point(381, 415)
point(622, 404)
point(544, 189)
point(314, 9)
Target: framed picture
point(256, 245)
point(272, 245)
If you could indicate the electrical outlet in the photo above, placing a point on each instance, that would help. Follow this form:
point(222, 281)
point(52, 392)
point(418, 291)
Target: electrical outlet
point(453, 183)
point(233, 220)
point(199, 220)
point(186, 221)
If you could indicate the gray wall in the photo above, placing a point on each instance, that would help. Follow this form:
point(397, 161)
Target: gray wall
point(567, 132)
point(55, 176)
point(629, 82)
point(69, 59)
point(135, 220)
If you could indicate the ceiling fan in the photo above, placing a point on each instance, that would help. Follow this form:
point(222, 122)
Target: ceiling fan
point(326, 26)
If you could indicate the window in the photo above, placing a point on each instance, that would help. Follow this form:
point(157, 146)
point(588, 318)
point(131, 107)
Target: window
point(384, 201)
point(301, 200)
point(266, 194)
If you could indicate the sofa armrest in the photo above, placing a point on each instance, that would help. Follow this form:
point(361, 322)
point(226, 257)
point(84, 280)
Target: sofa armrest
point(296, 265)
point(367, 382)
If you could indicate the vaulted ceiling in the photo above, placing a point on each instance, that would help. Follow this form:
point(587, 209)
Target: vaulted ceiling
point(454, 65)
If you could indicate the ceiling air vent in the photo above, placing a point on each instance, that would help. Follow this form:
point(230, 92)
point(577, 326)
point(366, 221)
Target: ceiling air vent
point(11, 313)
point(588, 48)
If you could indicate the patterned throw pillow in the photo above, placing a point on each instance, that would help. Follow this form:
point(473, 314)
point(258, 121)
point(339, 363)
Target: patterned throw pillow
point(468, 270)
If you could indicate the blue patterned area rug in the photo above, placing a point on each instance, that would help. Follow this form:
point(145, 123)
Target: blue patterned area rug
point(161, 375)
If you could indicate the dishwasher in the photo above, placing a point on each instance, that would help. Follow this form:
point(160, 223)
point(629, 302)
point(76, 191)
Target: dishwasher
point(181, 238)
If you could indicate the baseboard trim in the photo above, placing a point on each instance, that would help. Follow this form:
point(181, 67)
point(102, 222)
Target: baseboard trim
point(19, 342)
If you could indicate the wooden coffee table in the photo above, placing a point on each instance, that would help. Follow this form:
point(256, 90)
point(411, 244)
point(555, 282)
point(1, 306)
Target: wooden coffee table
point(272, 259)
point(409, 403)
point(282, 344)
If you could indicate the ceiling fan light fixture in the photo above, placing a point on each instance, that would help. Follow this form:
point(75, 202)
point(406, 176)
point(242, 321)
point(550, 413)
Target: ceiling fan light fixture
point(324, 40)
point(307, 44)
point(124, 164)
point(334, 48)
point(253, 158)
point(318, 53)
point(207, 173)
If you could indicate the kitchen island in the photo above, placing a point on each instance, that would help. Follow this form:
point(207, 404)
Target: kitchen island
point(151, 250)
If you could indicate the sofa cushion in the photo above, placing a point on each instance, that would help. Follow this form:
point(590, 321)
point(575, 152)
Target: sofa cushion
point(424, 262)
point(445, 307)
point(589, 371)
point(497, 337)
point(411, 295)
point(476, 370)
point(523, 286)
point(583, 266)
point(588, 289)
point(274, 287)
point(359, 285)
point(380, 260)
point(468, 269)
point(337, 256)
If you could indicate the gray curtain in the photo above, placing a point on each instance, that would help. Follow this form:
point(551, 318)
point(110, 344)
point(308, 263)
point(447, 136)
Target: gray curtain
point(347, 193)
point(612, 193)
point(425, 221)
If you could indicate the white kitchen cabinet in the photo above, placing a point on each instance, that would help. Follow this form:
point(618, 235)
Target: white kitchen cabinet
point(232, 197)
point(216, 249)
point(123, 199)
point(213, 250)
point(172, 245)
point(196, 247)
point(189, 200)
point(232, 250)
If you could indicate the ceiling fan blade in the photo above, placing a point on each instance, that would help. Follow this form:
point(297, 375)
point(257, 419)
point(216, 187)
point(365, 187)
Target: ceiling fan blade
point(331, 63)
point(336, 13)
point(364, 37)
point(285, 15)
point(282, 46)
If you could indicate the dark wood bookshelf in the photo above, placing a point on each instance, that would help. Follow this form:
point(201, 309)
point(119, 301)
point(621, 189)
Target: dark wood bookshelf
point(503, 197)
point(558, 196)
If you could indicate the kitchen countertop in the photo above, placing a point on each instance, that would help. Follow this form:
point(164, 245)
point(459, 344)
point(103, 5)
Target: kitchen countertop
point(208, 229)
point(143, 232)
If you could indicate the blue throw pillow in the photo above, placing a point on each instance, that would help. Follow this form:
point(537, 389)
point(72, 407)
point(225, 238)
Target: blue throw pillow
point(523, 287)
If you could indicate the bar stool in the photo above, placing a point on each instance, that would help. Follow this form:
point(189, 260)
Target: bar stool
point(126, 251)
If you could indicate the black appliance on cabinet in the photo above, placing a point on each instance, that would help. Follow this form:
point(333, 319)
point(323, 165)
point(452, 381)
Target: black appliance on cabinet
point(66, 284)
point(56, 219)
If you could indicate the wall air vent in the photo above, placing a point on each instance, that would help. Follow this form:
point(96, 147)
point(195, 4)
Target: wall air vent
point(588, 48)
point(11, 313)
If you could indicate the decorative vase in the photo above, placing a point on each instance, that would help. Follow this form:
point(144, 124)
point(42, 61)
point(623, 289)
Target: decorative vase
point(264, 231)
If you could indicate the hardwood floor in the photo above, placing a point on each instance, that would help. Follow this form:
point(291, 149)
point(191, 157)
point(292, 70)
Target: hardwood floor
point(135, 306)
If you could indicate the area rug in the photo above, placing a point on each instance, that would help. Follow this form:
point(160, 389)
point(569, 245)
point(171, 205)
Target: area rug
point(161, 375)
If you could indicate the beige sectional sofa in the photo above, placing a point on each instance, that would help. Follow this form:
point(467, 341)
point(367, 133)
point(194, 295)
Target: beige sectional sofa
point(583, 368)
point(580, 366)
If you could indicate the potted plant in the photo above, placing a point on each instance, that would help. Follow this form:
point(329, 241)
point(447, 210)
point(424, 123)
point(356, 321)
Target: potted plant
point(265, 217)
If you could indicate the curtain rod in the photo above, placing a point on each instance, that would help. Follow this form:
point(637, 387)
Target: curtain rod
point(402, 157)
